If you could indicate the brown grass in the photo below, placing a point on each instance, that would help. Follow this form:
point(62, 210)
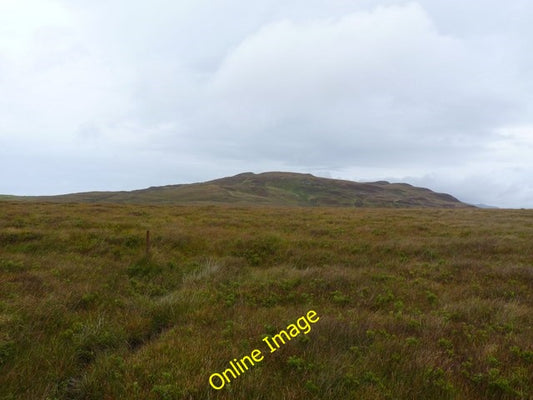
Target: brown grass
point(412, 303)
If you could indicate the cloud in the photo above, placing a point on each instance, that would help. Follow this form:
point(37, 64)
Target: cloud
point(425, 91)
point(382, 85)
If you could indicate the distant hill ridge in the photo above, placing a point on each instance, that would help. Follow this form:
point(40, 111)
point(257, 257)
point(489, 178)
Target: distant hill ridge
point(271, 188)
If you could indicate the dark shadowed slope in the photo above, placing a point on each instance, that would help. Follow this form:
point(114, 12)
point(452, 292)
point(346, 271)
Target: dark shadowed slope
point(274, 188)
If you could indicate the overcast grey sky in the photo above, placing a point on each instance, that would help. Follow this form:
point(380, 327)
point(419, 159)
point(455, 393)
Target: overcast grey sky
point(125, 94)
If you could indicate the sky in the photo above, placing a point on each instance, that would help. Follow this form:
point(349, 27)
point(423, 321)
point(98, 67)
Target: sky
point(127, 94)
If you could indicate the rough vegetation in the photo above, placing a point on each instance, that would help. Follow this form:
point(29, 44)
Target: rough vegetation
point(413, 304)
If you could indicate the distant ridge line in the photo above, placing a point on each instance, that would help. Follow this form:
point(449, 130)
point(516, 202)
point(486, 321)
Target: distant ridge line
point(270, 188)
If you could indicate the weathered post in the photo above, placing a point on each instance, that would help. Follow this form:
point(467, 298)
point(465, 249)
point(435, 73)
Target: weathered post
point(147, 244)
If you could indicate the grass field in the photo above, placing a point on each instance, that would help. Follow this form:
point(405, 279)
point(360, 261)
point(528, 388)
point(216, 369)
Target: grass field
point(411, 304)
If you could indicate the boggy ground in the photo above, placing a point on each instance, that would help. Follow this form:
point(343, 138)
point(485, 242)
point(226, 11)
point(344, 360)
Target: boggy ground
point(412, 304)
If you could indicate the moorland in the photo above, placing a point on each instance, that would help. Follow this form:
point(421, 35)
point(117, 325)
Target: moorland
point(412, 303)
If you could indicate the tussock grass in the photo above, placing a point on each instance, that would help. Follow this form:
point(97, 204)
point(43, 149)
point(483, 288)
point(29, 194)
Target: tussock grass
point(412, 303)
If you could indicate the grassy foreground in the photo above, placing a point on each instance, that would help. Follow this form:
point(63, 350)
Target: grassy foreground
point(412, 304)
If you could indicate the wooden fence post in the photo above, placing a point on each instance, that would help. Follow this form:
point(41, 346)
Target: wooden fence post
point(147, 244)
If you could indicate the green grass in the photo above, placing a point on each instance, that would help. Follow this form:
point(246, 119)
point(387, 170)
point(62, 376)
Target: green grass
point(432, 303)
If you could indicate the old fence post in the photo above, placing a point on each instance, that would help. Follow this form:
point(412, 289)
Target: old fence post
point(147, 244)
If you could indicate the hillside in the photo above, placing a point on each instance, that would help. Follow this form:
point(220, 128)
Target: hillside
point(274, 188)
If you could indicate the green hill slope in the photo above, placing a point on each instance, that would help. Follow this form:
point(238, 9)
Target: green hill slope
point(275, 188)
